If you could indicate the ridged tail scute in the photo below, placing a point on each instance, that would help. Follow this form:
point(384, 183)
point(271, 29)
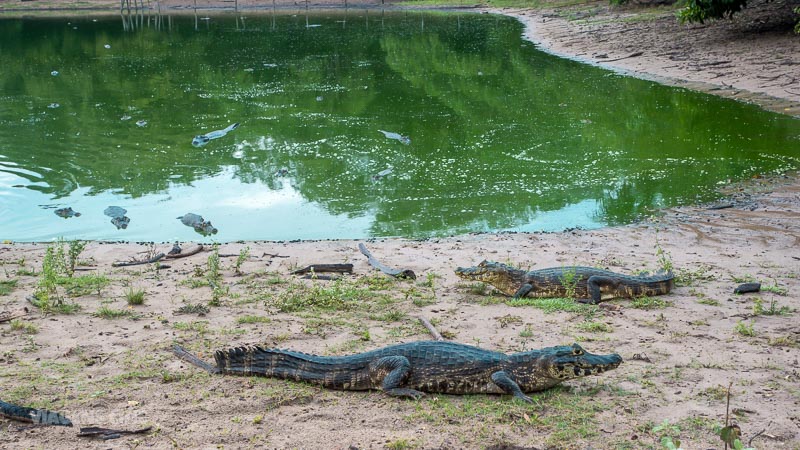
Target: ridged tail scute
point(334, 372)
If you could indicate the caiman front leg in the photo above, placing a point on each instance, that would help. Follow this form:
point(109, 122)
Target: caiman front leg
point(509, 386)
point(398, 368)
point(593, 285)
point(523, 290)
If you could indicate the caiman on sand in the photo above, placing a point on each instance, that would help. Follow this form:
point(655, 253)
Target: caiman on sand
point(586, 284)
point(412, 369)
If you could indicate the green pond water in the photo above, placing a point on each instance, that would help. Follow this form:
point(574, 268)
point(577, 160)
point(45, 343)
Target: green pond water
point(99, 112)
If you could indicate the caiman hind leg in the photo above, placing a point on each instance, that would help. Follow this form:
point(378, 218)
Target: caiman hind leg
point(392, 372)
point(509, 386)
point(594, 286)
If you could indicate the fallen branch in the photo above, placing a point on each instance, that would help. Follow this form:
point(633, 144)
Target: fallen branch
point(7, 316)
point(335, 268)
point(156, 258)
point(108, 433)
point(321, 277)
point(397, 273)
point(431, 329)
point(273, 255)
point(195, 250)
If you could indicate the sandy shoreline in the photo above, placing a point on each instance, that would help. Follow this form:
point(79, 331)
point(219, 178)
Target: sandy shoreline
point(109, 363)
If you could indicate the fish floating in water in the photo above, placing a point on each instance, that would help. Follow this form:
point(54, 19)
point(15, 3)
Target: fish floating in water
point(399, 137)
point(202, 139)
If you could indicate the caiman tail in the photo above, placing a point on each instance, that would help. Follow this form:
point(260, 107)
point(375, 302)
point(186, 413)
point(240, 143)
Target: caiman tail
point(334, 372)
point(32, 415)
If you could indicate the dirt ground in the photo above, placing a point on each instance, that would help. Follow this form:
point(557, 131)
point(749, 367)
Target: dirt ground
point(108, 363)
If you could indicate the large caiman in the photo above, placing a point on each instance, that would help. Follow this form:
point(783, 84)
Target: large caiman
point(412, 369)
point(586, 284)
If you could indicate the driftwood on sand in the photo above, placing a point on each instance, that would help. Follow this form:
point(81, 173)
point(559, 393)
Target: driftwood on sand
point(151, 260)
point(317, 268)
point(397, 273)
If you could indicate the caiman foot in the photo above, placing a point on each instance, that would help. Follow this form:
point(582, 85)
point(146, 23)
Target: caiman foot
point(405, 392)
point(586, 301)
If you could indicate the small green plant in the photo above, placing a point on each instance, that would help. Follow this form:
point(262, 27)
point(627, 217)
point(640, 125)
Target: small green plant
point(745, 329)
point(649, 303)
point(772, 310)
point(6, 286)
point(243, 255)
point(594, 327)
point(75, 249)
point(214, 277)
point(105, 312)
point(569, 280)
point(213, 274)
point(193, 309)
point(669, 435)
point(399, 444)
point(797, 25)
point(708, 301)
point(526, 333)
point(775, 289)
point(134, 296)
point(253, 319)
point(664, 258)
point(731, 432)
point(25, 327)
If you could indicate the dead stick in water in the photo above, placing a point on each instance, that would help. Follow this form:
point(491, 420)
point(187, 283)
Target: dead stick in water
point(397, 273)
point(431, 328)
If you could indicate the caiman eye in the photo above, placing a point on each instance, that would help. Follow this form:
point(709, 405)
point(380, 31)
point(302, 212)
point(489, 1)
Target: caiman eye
point(577, 351)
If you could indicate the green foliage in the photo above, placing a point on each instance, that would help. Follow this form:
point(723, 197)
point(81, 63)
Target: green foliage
point(551, 305)
point(25, 327)
point(105, 312)
point(772, 310)
point(243, 255)
point(649, 303)
point(58, 268)
point(339, 295)
point(6, 286)
point(569, 280)
point(702, 10)
point(253, 319)
point(797, 25)
point(745, 329)
point(594, 327)
point(134, 296)
point(664, 258)
point(669, 435)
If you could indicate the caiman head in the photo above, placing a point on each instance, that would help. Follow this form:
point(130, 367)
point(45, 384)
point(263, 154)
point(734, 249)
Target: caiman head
point(540, 369)
point(504, 278)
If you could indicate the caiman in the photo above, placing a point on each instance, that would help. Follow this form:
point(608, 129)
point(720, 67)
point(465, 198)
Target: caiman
point(586, 284)
point(412, 369)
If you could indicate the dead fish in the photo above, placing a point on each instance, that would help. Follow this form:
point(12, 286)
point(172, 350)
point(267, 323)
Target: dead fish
point(202, 139)
point(399, 137)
